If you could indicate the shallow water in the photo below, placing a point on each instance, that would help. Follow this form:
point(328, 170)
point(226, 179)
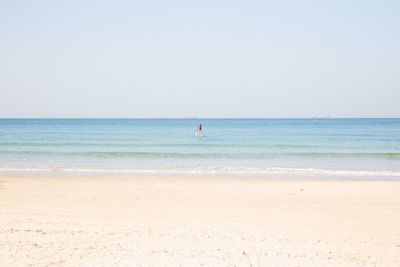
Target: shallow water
point(261, 147)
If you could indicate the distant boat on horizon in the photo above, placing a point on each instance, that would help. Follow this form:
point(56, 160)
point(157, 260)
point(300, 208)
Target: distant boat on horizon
point(321, 117)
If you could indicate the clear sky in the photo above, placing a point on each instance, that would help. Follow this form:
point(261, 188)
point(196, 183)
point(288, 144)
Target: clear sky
point(199, 58)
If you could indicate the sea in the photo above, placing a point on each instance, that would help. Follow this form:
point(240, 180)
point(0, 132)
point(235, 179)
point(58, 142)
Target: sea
point(270, 148)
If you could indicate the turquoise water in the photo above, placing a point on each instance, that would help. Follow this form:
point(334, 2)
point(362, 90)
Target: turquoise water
point(260, 147)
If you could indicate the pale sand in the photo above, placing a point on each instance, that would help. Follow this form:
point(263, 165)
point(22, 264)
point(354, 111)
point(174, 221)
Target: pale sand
point(172, 221)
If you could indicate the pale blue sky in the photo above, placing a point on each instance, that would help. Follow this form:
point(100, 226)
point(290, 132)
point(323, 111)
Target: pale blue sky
point(199, 58)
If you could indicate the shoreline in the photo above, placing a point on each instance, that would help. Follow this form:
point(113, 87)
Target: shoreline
point(272, 173)
point(189, 221)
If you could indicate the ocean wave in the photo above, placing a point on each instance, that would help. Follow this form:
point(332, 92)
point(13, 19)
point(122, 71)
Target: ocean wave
point(222, 155)
point(170, 145)
point(216, 170)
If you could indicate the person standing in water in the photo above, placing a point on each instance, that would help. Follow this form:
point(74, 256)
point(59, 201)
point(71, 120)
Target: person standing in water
point(200, 130)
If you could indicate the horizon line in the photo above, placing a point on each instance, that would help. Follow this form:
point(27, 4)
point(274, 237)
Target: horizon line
point(191, 118)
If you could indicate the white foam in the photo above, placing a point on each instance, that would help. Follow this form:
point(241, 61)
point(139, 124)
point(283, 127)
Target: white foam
point(222, 170)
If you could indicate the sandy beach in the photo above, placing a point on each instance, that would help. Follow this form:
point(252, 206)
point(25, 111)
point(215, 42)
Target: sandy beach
point(197, 221)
